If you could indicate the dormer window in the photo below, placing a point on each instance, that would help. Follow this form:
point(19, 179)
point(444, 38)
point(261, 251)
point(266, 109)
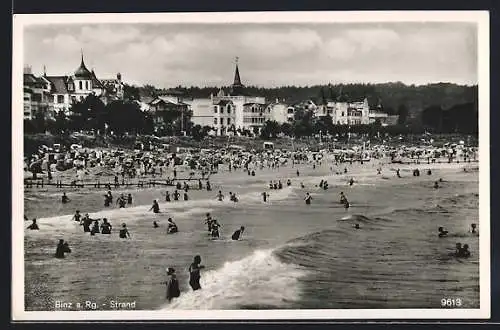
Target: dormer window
point(80, 85)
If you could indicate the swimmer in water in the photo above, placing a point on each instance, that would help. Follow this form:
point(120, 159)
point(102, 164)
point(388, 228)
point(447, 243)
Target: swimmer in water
point(106, 227)
point(124, 231)
point(346, 205)
point(176, 195)
point(172, 227)
point(458, 248)
point(308, 199)
point(220, 196)
point(429, 172)
point(155, 207)
point(351, 182)
point(64, 198)
point(95, 228)
point(343, 199)
point(321, 183)
point(215, 229)
point(77, 216)
point(172, 283)
point(398, 173)
point(298, 173)
point(302, 185)
point(86, 222)
point(167, 196)
point(155, 224)
point(473, 228)
point(194, 273)
point(436, 185)
point(33, 226)
point(186, 197)
point(129, 199)
point(208, 221)
point(442, 232)
point(121, 201)
point(237, 234)
point(265, 195)
point(288, 182)
point(465, 253)
point(356, 226)
point(61, 249)
point(271, 186)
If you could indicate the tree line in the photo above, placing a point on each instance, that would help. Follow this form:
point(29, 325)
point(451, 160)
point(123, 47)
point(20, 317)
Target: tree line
point(391, 98)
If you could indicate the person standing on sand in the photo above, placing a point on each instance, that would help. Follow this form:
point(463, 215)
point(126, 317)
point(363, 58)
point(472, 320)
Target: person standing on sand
point(194, 273)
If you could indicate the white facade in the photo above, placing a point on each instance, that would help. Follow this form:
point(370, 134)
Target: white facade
point(373, 116)
point(278, 112)
point(241, 119)
point(346, 113)
point(202, 111)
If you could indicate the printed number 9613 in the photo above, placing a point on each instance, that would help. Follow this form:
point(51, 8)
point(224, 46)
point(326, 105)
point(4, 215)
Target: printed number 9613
point(451, 302)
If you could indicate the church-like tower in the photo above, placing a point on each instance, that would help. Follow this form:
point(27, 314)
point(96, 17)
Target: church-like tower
point(82, 79)
point(237, 87)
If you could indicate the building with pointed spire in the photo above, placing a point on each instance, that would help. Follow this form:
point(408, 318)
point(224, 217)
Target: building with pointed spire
point(237, 88)
point(65, 90)
point(231, 111)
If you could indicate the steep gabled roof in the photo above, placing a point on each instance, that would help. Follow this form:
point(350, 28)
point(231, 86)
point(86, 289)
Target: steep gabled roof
point(222, 102)
point(96, 82)
point(58, 84)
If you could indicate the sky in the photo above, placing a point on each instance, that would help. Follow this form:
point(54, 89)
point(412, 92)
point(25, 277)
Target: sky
point(272, 54)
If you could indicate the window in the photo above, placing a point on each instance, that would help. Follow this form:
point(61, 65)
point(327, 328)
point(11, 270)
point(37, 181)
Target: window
point(342, 113)
point(215, 121)
point(228, 108)
point(26, 98)
point(215, 110)
point(221, 121)
point(80, 84)
point(229, 121)
point(60, 98)
point(87, 85)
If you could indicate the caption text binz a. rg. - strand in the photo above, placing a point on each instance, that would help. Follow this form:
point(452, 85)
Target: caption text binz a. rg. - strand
point(60, 305)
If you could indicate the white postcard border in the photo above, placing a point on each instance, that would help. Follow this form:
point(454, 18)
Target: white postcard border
point(20, 21)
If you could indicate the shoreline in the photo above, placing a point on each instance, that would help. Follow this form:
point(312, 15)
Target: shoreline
point(226, 178)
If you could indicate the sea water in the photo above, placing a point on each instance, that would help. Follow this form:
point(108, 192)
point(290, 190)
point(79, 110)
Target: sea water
point(291, 255)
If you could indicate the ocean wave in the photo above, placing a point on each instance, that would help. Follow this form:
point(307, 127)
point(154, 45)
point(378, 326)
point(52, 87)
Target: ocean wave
point(257, 280)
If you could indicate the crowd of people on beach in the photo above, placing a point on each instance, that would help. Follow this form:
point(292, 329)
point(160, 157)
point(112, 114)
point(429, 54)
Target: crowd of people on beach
point(249, 162)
